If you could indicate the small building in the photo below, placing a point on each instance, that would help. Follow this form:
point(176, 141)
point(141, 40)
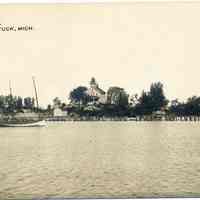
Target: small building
point(57, 112)
point(96, 92)
point(159, 115)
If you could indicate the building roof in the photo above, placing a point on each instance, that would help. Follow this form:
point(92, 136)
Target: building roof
point(100, 90)
point(94, 86)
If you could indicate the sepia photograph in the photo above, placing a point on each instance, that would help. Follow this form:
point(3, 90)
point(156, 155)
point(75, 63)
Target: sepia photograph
point(100, 100)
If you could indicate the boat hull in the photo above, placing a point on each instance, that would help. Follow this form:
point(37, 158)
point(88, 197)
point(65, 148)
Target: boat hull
point(31, 124)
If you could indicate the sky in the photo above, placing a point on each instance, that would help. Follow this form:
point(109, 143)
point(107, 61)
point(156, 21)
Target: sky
point(129, 45)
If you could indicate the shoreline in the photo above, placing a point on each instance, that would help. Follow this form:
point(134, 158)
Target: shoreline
point(148, 118)
point(125, 119)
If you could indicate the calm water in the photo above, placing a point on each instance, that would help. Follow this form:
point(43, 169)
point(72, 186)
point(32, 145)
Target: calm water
point(101, 159)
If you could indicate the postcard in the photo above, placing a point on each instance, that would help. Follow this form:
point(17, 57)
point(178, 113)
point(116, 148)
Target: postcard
point(99, 100)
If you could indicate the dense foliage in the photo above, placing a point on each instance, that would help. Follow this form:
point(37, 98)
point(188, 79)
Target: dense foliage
point(11, 103)
point(79, 95)
point(118, 103)
point(117, 96)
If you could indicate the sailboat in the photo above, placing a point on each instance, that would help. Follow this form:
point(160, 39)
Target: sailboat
point(12, 121)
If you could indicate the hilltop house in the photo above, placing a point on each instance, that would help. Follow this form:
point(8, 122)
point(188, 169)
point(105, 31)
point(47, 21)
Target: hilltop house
point(96, 92)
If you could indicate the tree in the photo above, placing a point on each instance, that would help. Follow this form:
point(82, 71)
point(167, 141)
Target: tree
point(134, 100)
point(56, 102)
point(63, 106)
point(157, 96)
point(9, 103)
point(192, 106)
point(145, 105)
point(153, 100)
point(79, 95)
point(117, 96)
point(19, 103)
point(2, 102)
point(49, 108)
point(177, 108)
point(28, 103)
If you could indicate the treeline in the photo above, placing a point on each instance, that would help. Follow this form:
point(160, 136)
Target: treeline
point(189, 108)
point(9, 103)
point(115, 103)
point(120, 104)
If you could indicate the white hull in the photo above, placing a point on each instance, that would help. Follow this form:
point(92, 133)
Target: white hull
point(32, 124)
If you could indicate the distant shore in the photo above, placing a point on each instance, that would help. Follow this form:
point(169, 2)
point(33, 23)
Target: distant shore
point(139, 118)
point(136, 119)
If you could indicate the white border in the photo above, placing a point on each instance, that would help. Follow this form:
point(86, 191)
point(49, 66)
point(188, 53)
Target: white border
point(90, 1)
point(101, 1)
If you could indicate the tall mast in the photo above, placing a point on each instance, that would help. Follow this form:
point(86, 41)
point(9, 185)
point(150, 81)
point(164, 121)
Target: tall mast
point(36, 96)
point(10, 102)
point(10, 88)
